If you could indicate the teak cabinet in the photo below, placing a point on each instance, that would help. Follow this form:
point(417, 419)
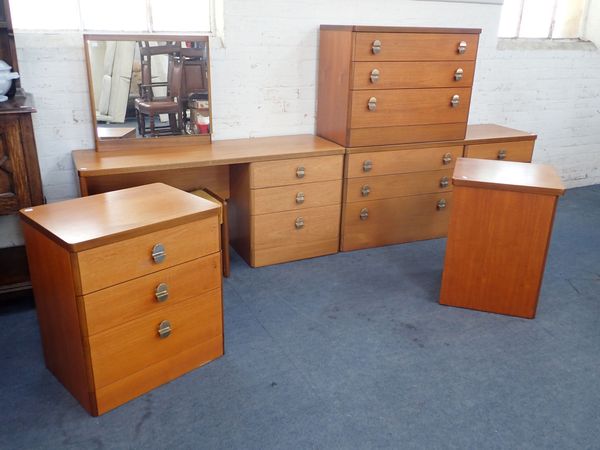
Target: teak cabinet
point(127, 287)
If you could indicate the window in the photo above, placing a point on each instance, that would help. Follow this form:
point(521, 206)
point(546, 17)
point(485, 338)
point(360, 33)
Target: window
point(135, 16)
point(551, 19)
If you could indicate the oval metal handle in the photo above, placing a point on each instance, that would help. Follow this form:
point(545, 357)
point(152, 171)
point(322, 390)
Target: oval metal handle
point(365, 190)
point(374, 76)
point(462, 47)
point(441, 204)
point(372, 104)
point(164, 329)
point(300, 172)
point(367, 165)
point(444, 182)
point(502, 154)
point(299, 223)
point(455, 100)
point(162, 292)
point(300, 198)
point(458, 74)
point(158, 253)
point(376, 46)
point(447, 158)
point(364, 214)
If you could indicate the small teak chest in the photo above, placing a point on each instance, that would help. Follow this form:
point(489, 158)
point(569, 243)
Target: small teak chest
point(127, 287)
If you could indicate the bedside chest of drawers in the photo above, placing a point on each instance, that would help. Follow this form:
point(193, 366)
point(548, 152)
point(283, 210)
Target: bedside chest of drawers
point(128, 290)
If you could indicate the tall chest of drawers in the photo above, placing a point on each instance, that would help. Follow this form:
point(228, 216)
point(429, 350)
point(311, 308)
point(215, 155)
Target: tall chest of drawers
point(128, 290)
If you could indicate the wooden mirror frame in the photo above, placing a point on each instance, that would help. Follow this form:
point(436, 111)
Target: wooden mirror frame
point(156, 142)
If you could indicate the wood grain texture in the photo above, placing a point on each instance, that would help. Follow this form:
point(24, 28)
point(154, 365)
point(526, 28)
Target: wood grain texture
point(14, 187)
point(84, 223)
point(284, 172)
point(496, 250)
point(521, 151)
point(397, 185)
point(395, 220)
point(335, 51)
point(406, 75)
point(133, 256)
point(413, 134)
point(124, 302)
point(284, 198)
point(507, 175)
point(415, 46)
point(401, 161)
point(275, 237)
point(488, 132)
point(401, 107)
point(384, 29)
point(58, 315)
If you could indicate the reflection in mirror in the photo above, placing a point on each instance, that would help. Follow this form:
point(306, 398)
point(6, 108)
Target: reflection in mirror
point(144, 88)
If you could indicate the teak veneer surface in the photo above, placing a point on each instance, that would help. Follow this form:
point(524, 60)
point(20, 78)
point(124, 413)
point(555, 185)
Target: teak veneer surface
point(88, 222)
point(508, 176)
point(383, 29)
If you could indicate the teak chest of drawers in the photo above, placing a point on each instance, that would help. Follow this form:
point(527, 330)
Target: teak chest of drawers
point(394, 85)
point(128, 290)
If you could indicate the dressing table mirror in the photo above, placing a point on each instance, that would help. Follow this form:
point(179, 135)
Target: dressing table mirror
point(149, 90)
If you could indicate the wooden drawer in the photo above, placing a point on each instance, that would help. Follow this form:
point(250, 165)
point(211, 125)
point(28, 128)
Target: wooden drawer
point(370, 164)
point(296, 197)
point(521, 151)
point(294, 171)
point(403, 75)
point(415, 47)
point(133, 346)
point(397, 185)
point(401, 107)
point(395, 220)
point(124, 302)
point(110, 264)
point(275, 237)
point(364, 137)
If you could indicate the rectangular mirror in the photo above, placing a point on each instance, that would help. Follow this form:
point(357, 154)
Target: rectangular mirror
point(148, 89)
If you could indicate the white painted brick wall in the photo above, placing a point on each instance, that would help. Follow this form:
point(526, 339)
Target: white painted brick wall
point(264, 83)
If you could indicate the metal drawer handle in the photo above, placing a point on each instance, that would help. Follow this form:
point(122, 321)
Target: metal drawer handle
point(300, 198)
point(441, 204)
point(300, 172)
point(164, 329)
point(374, 76)
point(455, 100)
point(364, 214)
point(365, 190)
point(372, 104)
point(444, 182)
point(458, 74)
point(376, 46)
point(447, 158)
point(299, 223)
point(367, 165)
point(462, 47)
point(162, 292)
point(502, 154)
point(158, 253)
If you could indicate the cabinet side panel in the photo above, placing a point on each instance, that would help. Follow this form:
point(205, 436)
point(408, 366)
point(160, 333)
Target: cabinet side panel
point(335, 49)
point(56, 304)
point(239, 210)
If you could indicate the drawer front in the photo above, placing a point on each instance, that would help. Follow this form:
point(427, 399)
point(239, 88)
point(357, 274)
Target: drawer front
point(296, 197)
point(521, 151)
point(398, 185)
point(131, 258)
point(400, 107)
point(371, 164)
point(291, 235)
point(403, 75)
point(127, 301)
point(415, 47)
point(295, 171)
point(133, 346)
point(364, 137)
point(395, 220)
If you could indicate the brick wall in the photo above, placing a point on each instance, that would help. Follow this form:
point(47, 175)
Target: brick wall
point(264, 77)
